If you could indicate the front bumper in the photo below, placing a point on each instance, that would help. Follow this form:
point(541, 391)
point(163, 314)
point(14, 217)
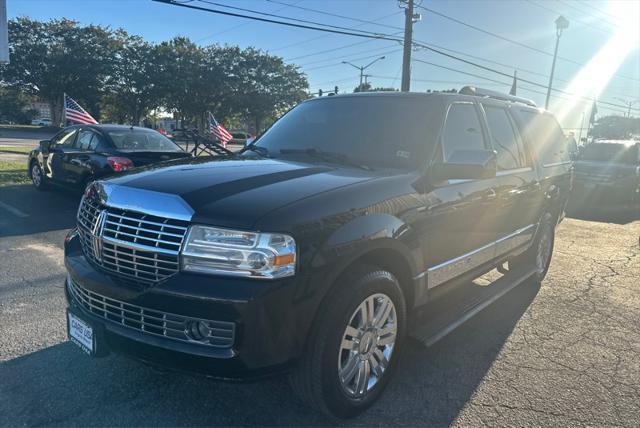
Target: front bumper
point(261, 325)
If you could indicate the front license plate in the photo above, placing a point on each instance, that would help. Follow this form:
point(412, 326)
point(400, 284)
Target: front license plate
point(80, 333)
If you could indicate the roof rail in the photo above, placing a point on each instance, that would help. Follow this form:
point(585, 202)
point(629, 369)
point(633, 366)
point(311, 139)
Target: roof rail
point(487, 93)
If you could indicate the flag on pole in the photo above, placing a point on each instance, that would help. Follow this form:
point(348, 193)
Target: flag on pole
point(75, 113)
point(218, 131)
point(514, 85)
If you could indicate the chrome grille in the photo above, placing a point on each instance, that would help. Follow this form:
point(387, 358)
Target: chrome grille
point(150, 321)
point(138, 247)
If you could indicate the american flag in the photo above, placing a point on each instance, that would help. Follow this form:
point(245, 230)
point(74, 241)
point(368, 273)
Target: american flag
point(75, 113)
point(218, 131)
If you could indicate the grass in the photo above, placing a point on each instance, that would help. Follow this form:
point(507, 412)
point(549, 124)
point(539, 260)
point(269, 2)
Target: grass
point(8, 149)
point(13, 172)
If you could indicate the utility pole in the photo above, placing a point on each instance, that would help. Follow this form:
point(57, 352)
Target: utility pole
point(408, 41)
point(629, 104)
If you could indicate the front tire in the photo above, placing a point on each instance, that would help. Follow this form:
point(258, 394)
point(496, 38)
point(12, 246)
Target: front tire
point(354, 344)
point(37, 177)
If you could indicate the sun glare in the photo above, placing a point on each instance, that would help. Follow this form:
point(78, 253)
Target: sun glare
point(594, 77)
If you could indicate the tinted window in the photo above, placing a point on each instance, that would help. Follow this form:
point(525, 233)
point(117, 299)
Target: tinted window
point(462, 130)
point(504, 139)
point(373, 130)
point(84, 140)
point(65, 138)
point(545, 137)
point(140, 140)
point(610, 152)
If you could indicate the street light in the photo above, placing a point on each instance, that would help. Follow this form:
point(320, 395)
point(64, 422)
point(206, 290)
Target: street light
point(363, 68)
point(561, 24)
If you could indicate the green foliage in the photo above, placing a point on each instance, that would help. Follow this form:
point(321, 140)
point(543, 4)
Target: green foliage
point(13, 106)
point(13, 172)
point(121, 78)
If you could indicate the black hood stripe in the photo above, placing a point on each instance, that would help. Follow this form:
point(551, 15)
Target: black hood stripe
point(216, 192)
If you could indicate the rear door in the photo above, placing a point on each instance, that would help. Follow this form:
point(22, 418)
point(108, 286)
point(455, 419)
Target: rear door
point(518, 189)
point(77, 162)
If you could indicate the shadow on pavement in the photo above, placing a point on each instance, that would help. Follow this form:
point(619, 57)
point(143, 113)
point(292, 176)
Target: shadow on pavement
point(60, 385)
point(603, 214)
point(25, 210)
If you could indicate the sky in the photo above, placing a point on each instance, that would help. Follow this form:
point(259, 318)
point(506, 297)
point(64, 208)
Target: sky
point(599, 50)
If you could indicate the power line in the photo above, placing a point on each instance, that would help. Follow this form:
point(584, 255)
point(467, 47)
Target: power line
point(327, 35)
point(506, 39)
point(572, 18)
point(322, 12)
point(304, 21)
point(354, 59)
point(381, 37)
point(273, 21)
point(524, 88)
point(244, 24)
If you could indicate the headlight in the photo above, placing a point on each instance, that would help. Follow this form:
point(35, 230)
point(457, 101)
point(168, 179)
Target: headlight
point(237, 253)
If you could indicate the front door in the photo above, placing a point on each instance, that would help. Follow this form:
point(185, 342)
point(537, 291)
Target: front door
point(459, 214)
point(60, 145)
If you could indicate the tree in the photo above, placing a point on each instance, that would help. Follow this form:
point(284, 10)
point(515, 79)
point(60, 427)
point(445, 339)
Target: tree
point(132, 89)
point(13, 106)
point(267, 86)
point(51, 58)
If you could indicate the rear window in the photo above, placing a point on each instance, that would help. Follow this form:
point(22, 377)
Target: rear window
point(545, 137)
point(610, 152)
point(138, 140)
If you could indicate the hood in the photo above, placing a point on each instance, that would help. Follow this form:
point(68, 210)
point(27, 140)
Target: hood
point(233, 192)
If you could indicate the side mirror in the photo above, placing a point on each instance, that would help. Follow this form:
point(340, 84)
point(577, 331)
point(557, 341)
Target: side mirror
point(465, 165)
point(45, 145)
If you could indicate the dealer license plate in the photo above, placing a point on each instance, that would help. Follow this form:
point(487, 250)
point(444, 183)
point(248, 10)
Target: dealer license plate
point(80, 333)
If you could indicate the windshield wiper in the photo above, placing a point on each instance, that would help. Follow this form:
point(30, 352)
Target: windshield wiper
point(262, 151)
point(326, 156)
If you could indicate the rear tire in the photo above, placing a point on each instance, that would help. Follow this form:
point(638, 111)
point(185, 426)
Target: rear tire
point(541, 250)
point(354, 344)
point(37, 176)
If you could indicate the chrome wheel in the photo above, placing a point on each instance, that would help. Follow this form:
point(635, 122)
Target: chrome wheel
point(36, 175)
point(367, 345)
point(543, 255)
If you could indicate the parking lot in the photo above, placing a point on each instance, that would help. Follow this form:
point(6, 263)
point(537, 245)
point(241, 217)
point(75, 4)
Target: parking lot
point(565, 354)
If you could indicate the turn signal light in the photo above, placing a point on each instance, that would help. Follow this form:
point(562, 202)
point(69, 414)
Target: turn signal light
point(118, 163)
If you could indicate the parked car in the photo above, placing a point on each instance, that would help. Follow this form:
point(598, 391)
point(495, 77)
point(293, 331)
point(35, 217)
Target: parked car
point(239, 138)
point(315, 250)
point(607, 174)
point(80, 154)
point(41, 122)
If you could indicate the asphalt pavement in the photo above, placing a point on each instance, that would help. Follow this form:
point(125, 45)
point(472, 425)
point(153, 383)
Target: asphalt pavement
point(564, 354)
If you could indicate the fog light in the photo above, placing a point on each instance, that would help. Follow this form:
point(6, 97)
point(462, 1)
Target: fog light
point(197, 330)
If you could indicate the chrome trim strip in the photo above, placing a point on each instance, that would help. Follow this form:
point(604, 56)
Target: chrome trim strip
point(513, 171)
point(547, 165)
point(450, 269)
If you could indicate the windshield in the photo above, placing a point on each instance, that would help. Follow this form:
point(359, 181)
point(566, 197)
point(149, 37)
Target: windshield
point(139, 140)
point(610, 152)
point(371, 130)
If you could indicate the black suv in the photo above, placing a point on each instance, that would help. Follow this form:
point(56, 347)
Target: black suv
point(314, 249)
